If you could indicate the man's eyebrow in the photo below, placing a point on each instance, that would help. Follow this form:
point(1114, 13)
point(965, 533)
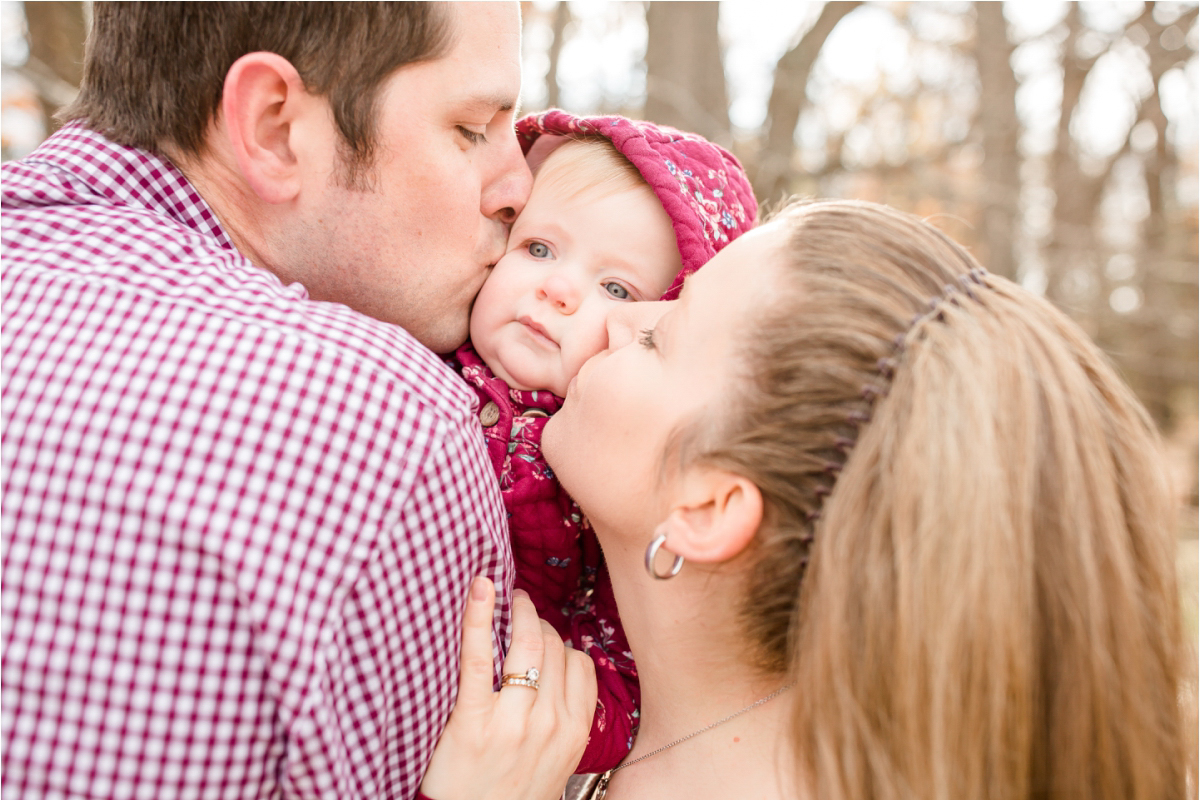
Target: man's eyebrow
point(494, 103)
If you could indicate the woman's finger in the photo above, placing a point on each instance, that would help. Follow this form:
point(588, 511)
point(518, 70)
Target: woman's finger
point(580, 690)
point(475, 670)
point(525, 652)
point(527, 646)
point(553, 661)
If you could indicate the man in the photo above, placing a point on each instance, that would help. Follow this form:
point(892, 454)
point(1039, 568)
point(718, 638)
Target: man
point(242, 498)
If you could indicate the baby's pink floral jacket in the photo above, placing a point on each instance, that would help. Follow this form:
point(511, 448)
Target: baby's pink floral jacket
point(557, 555)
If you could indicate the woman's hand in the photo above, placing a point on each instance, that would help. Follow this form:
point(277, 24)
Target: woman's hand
point(519, 742)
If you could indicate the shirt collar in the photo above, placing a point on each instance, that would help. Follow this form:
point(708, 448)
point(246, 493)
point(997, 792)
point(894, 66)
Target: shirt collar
point(129, 176)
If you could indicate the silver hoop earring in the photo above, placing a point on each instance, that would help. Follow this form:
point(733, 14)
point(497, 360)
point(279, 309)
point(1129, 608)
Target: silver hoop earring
point(652, 551)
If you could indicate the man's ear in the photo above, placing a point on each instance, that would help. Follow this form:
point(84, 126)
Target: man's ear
point(716, 517)
point(261, 104)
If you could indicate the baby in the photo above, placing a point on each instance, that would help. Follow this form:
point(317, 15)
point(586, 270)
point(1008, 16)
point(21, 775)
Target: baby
point(621, 211)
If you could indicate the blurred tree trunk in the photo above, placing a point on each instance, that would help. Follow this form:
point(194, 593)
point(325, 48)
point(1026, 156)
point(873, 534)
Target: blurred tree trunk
point(1077, 193)
point(562, 18)
point(788, 96)
point(685, 75)
point(1001, 130)
point(1155, 344)
point(1161, 162)
point(56, 34)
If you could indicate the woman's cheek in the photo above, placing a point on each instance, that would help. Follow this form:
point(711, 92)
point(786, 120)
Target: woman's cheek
point(588, 343)
point(569, 452)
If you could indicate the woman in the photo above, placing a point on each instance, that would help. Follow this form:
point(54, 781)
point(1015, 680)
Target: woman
point(918, 539)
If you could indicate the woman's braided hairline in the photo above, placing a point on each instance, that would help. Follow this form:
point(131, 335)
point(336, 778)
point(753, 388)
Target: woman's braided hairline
point(886, 367)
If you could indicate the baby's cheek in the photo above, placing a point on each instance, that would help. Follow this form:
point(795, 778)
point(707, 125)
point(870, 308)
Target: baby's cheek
point(588, 343)
point(480, 331)
point(492, 308)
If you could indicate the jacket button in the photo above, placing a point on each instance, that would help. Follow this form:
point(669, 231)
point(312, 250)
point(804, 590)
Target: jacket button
point(489, 415)
point(534, 413)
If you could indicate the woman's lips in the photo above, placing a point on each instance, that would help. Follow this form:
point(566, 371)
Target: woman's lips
point(538, 331)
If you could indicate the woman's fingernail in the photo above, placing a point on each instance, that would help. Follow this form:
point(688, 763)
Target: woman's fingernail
point(479, 589)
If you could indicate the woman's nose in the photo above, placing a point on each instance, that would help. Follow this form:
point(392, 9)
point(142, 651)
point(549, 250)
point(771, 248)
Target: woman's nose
point(560, 291)
point(626, 321)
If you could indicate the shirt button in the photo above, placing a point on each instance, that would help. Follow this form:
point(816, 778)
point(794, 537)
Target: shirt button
point(489, 415)
point(534, 413)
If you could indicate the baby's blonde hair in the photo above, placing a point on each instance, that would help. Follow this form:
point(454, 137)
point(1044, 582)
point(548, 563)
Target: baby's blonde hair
point(968, 562)
point(589, 164)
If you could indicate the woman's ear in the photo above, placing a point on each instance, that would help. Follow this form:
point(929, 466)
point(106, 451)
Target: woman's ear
point(717, 516)
point(261, 103)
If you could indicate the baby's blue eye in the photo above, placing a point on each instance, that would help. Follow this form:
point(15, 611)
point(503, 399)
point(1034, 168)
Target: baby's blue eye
point(616, 290)
point(538, 250)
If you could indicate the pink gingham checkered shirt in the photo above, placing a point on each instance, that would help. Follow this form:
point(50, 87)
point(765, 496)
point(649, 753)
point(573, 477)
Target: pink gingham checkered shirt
point(238, 525)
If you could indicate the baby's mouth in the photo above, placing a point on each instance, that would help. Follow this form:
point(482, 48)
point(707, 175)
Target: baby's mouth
point(538, 331)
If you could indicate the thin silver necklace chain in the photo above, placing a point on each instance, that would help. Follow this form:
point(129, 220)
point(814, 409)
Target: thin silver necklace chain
point(709, 727)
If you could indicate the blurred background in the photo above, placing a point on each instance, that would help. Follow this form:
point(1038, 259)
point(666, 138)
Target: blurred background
point(1058, 141)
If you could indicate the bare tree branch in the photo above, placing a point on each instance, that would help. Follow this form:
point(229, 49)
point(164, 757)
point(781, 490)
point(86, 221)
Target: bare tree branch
point(788, 96)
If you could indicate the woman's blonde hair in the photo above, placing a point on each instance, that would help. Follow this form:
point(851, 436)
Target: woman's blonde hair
point(976, 505)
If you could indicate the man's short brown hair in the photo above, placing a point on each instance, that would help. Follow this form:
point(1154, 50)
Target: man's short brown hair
point(154, 72)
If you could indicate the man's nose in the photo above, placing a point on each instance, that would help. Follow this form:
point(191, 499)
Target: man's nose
point(507, 189)
point(560, 291)
point(626, 321)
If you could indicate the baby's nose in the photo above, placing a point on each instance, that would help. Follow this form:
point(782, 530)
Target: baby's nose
point(561, 292)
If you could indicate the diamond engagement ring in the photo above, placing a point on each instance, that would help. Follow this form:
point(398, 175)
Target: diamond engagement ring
point(527, 679)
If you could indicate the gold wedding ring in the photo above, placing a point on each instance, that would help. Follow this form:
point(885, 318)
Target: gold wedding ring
point(527, 679)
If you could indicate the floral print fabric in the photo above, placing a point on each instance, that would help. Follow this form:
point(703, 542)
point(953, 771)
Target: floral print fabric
point(558, 558)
